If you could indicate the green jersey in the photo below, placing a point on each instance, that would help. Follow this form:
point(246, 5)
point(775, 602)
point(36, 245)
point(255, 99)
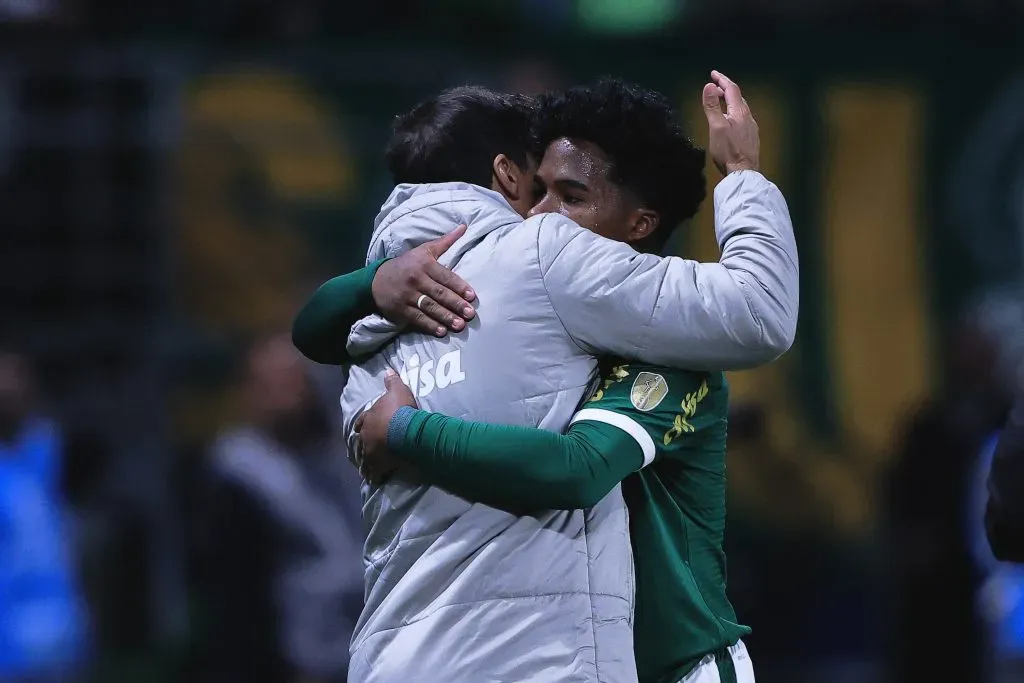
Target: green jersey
point(676, 506)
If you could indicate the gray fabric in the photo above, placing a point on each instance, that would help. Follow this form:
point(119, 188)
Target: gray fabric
point(317, 577)
point(738, 313)
point(469, 593)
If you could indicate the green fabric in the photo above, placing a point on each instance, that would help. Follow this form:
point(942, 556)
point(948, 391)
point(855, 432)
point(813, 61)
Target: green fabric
point(520, 468)
point(321, 328)
point(726, 667)
point(676, 514)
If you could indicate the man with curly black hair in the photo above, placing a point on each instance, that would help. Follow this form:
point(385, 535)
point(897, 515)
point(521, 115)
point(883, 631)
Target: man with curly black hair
point(484, 591)
point(618, 150)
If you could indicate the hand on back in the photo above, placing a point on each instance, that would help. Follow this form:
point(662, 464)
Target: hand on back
point(415, 289)
point(372, 457)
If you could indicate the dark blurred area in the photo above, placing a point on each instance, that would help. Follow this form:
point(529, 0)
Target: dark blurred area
point(176, 177)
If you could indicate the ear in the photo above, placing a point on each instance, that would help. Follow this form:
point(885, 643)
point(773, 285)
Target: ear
point(643, 224)
point(508, 178)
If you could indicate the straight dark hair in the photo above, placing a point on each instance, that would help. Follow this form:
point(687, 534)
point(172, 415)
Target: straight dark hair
point(455, 136)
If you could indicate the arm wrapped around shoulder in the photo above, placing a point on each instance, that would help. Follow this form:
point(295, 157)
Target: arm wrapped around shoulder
point(738, 313)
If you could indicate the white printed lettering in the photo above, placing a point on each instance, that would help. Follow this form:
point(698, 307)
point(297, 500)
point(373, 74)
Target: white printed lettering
point(449, 369)
point(423, 379)
point(413, 365)
point(426, 378)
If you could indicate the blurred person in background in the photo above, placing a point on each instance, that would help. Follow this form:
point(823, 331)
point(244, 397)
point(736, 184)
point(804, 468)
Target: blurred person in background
point(1002, 595)
point(773, 547)
point(286, 576)
point(932, 534)
point(43, 621)
point(1004, 514)
point(1000, 496)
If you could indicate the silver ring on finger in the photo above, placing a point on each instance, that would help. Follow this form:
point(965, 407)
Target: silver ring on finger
point(419, 302)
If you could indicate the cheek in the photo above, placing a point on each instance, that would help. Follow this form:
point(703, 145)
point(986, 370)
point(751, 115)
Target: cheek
point(586, 216)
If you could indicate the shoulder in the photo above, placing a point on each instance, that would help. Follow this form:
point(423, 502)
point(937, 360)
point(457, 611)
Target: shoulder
point(667, 403)
point(574, 247)
point(544, 237)
point(417, 213)
point(452, 198)
point(652, 388)
point(554, 231)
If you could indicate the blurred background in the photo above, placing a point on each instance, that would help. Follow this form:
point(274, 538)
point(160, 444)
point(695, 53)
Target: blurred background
point(175, 178)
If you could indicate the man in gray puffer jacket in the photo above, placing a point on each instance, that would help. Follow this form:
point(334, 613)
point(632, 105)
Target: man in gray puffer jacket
point(464, 593)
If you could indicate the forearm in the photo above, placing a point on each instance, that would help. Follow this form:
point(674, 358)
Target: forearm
point(515, 468)
point(742, 311)
point(320, 330)
point(755, 232)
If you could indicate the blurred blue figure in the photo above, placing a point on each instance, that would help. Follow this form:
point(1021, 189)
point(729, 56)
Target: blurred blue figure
point(1002, 595)
point(42, 617)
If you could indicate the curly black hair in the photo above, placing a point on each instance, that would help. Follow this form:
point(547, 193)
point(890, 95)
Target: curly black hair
point(643, 139)
point(456, 135)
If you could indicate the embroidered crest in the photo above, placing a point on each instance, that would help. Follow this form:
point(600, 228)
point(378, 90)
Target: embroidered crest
point(648, 391)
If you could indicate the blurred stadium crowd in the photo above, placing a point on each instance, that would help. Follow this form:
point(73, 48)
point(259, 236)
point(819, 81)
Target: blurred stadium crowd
point(176, 177)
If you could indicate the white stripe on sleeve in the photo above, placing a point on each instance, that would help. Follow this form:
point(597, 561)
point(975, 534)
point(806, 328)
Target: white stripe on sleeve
point(626, 424)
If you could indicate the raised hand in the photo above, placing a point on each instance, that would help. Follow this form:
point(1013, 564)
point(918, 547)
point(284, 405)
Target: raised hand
point(734, 141)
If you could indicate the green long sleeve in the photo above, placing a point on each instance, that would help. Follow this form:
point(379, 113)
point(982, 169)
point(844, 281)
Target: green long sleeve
point(516, 468)
point(321, 328)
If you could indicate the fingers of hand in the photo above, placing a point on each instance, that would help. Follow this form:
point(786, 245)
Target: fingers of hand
point(433, 305)
point(441, 244)
point(448, 308)
point(435, 311)
point(415, 275)
point(378, 478)
point(356, 455)
point(424, 323)
point(382, 468)
point(372, 469)
point(400, 392)
point(450, 288)
point(711, 97)
point(723, 81)
point(733, 97)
